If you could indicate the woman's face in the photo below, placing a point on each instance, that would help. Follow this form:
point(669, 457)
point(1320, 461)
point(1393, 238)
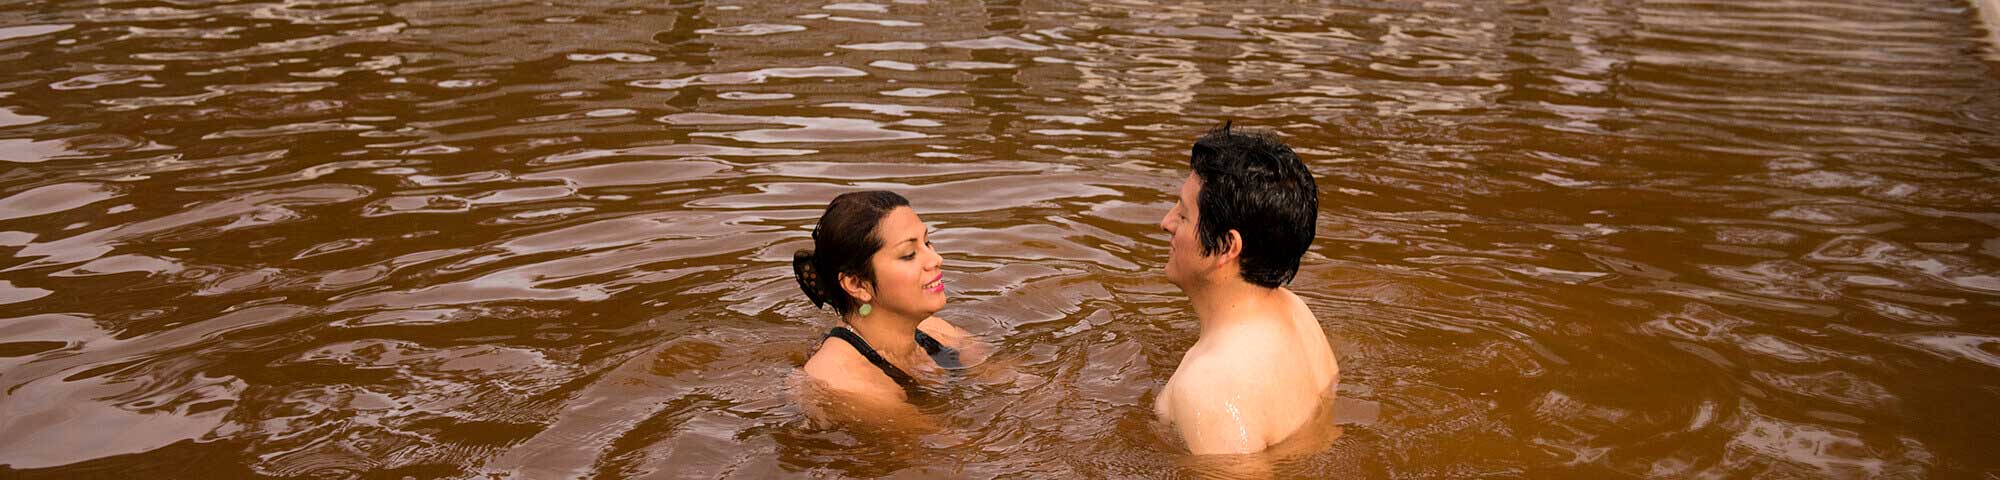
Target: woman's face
point(909, 275)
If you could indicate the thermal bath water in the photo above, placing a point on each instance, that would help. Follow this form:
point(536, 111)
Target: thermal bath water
point(1566, 239)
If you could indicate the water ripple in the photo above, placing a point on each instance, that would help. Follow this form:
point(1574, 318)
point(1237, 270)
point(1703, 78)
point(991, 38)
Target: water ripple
point(431, 239)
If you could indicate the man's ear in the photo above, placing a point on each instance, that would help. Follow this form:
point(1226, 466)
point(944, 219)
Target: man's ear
point(858, 289)
point(1230, 249)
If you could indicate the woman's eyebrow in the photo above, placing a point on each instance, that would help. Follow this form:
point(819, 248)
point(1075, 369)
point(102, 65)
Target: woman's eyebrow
point(927, 233)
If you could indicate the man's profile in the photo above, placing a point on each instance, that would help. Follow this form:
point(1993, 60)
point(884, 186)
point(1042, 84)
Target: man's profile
point(1262, 367)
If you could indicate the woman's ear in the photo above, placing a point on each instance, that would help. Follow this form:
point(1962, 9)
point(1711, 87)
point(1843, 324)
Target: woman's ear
point(857, 289)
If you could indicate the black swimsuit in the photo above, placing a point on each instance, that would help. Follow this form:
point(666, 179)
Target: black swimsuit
point(944, 356)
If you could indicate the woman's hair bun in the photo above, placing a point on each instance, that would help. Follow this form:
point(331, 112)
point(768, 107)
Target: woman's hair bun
point(808, 277)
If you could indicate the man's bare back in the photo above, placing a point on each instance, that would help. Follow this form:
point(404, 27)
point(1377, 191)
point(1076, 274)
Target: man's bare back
point(1252, 383)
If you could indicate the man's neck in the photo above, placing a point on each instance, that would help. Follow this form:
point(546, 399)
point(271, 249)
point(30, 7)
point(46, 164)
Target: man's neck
point(894, 338)
point(1231, 302)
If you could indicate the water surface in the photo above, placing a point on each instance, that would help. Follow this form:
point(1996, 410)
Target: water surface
point(1591, 239)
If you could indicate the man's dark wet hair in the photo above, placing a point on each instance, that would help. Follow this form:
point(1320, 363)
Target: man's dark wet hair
point(1254, 184)
point(843, 241)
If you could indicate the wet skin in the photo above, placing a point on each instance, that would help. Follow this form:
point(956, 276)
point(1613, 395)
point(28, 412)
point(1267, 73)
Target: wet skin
point(1262, 366)
point(908, 288)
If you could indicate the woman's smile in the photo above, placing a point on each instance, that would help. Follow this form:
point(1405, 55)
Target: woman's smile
point(936, 285)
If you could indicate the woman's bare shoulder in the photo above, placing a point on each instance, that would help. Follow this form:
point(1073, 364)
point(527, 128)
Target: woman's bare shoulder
point(839, 387)
point(970, 347)
point(838, 367)
point(946, 333)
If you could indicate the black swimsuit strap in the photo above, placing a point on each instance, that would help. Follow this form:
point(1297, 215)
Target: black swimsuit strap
point(931, 345)
point(945, 356)
point(868, 352)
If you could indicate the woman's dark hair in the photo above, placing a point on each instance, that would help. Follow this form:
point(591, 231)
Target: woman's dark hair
point(843, 241)
point(1254, 184)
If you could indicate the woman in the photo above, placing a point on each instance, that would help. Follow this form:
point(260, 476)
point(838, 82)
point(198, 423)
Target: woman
point(873, 262)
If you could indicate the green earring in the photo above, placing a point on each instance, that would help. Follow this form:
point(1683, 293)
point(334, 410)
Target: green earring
point(866, 308)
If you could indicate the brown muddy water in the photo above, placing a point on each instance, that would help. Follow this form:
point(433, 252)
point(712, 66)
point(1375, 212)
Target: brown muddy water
point(1565, 239)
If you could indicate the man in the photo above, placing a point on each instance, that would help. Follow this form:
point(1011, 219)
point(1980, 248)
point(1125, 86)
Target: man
point(1262, 368)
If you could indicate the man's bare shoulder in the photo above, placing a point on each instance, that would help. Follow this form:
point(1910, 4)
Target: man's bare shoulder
point(1314, 345)
point(1240, 389)
point(1241, 360)
point(1215, 372)
point(1212, 404)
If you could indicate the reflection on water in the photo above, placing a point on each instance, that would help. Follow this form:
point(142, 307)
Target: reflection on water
point(446, 239)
